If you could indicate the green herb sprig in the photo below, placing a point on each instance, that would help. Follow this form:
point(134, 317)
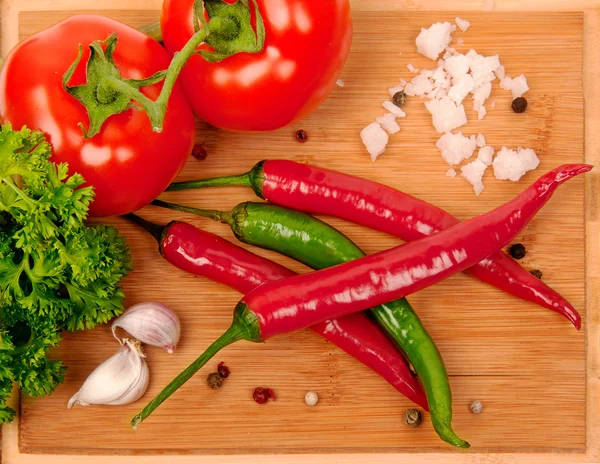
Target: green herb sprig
point(56, 273)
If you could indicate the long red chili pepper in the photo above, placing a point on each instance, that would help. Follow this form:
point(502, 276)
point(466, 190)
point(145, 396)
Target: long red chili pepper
point(321, 191)
point(400, 271)
point(304, 300)
point(204, 254)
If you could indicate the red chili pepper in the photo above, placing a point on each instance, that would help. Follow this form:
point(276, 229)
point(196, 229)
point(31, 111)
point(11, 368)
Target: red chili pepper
point(300, 301)
point(204, 254)
point(400, 271)
point(320, 191)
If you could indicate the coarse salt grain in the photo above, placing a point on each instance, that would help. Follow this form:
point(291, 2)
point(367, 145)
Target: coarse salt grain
point(481, 94)
point(518, 86)
point(460, 41)
point(451, 173)
point(411, 68)
point(482, 67)
point(394, 90)
point(388, 122)
point(480, 140)
point(395, 110)
point(513, 164)
point(446, 115)
point(375, 139)
point(500, 72)
point(457, 66)
point(340, 82)
point(462, 24)
point(481, 112)
point(420, 85)
point(485, 155)
point(455, 148)
point(488, 5)
point(473, 173)
point(461, 89)
point(433, 40)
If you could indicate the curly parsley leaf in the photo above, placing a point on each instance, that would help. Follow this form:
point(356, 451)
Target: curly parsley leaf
point(56, 273)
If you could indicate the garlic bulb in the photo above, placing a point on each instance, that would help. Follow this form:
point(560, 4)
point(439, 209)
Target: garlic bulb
point(151, 323)
point(121, 379)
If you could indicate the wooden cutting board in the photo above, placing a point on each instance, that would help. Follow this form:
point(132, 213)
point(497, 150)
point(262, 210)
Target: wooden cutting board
point(526, 364)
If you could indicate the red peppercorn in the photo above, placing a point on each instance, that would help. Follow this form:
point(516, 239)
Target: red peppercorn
point(199, 152)
point(223, 370)
point(301, 136)
point(262, 395)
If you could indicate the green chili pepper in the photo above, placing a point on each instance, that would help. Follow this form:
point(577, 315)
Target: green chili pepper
point(318, 245)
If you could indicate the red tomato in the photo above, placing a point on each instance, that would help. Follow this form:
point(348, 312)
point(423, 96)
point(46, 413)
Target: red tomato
point(307, 42)
point(127, 163)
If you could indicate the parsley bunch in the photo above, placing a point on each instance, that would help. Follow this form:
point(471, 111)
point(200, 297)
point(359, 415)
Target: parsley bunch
point(56, 273)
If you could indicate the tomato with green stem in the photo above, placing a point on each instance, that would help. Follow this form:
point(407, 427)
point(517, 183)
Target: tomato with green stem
point(126, 161)
point(305, 48)
point(120, 119)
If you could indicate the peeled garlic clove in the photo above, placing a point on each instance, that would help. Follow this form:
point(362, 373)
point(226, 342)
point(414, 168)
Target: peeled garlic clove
point(152, 323)
point(121, 379)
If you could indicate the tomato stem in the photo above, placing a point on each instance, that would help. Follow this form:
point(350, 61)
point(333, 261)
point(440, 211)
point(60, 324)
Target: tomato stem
point(107, 93)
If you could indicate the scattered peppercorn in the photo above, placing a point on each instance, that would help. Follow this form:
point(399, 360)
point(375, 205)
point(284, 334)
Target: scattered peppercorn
point(301, 136)
point(199, 152)
point(476, 407)
point(519, 105)
point(214, 380)
point(262, 395)
point(536, 273)
point(223, 370)
point(412, 417)
point(311, 398)
point(518, 251)
point(399, 98)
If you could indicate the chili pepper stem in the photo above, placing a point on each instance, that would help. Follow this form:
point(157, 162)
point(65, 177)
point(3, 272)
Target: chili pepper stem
point(153, 229)
point(253, 179)
point(214, 214)
point(239, 180)
point(244, 327)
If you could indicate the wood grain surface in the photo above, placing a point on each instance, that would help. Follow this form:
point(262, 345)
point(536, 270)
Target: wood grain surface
point(525, 363)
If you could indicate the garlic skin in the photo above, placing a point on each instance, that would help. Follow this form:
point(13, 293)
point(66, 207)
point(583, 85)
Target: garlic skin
point(151, 323)
point(121, 379)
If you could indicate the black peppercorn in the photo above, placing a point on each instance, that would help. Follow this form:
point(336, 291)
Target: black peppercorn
point(412, 417)
point(399, 98)
point(519, 105)
point(536, 273)
point(518, 251)
point(301, 136)
point(214, 380)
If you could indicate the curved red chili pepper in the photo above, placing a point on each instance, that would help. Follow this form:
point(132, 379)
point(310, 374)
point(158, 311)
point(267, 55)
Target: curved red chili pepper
point(321, 191)
point(297, 302)
point(204, 254)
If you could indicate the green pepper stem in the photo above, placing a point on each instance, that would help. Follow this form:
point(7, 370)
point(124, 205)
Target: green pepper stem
point(239, 180)
point(214, 214)
point(233, 334)
point(245, 326)
point(153, 30)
